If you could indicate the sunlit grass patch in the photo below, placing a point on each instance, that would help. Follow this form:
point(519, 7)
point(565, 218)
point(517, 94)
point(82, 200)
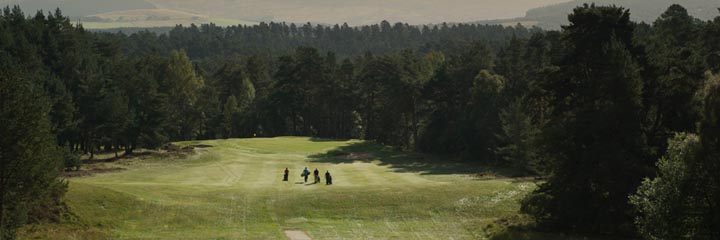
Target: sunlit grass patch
point(233, 189)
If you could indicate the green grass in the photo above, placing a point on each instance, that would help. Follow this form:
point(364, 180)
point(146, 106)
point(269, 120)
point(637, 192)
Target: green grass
point(233, 189)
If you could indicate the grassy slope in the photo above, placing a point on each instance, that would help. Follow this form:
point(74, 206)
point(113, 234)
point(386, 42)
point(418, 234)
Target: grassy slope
point(233, 190)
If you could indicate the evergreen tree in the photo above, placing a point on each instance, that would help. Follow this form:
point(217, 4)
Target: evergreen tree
point(230, 112)
point(676, 75)
point(449, 126)
point(246, 96)
point(594, 136)
point(710, 42)
point(482, 120)
point(518, 146)
point(149, 104)
point(183, 86)
point(29, 160)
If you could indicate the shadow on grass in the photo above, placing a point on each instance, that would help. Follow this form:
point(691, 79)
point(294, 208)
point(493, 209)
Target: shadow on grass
point(424, 164)
point(522, 228)
point(522, 233)
point(317, 139)
point(114, 159)
point(201, 146)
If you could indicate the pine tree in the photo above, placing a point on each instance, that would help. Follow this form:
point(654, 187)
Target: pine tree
point(481, 123)
point(518, 139)
point(29, 160)
point(230, 112)
point(594, 137)
point(183, 86)
point(676, 74)
point(246, 96)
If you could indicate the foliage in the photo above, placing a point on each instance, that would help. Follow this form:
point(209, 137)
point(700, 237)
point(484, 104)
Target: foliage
point(595, 133)
point(276, 39)
point(71, 160)
point(183, 86)
point(663, 202)
point(29, 162)
point(230, 111)
point(518, 139)
point(681, 202)
point(675, 74)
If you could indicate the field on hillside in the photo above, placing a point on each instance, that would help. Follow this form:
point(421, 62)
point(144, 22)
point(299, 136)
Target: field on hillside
point(223, 22)
point(233, 189)
point(144, 18)
point(359, 12)
point(95, 13)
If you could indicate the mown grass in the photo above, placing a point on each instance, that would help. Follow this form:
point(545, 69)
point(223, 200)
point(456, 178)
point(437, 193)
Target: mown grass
point(232, 189)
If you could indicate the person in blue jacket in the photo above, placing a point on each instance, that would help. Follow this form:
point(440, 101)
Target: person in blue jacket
point(305, 173)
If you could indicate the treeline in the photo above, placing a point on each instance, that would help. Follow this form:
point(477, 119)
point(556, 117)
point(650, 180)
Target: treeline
point(591, 106)
point(277, 39)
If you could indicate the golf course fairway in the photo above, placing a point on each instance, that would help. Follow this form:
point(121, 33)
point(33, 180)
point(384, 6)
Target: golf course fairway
point(233, 189)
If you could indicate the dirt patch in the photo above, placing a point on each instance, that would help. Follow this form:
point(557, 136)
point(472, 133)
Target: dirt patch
point(296, 235)
point(359, 156)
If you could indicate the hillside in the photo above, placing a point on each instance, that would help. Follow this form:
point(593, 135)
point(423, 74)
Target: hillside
point(146, 18)
point(115, 14)
point(549, 14)
point(552, 17)
point(359, 12)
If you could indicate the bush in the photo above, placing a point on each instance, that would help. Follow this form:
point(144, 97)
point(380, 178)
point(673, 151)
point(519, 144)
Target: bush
point(71, 159)
point(662, 203)
point(682, 201)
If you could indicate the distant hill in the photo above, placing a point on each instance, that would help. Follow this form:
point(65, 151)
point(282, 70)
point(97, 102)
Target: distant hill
point(149, 18)
point(79, 8)
point(553, 16)
point(357, 12)
point(112, 14)
point(156, 13)
point(99, 14)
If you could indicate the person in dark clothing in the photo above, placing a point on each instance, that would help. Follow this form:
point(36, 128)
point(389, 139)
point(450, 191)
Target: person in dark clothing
point(285, 177)
point(316, 174)
point(305, 173)
point(328, 178)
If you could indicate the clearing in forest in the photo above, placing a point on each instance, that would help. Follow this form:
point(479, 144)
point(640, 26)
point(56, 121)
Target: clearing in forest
point(233, 189)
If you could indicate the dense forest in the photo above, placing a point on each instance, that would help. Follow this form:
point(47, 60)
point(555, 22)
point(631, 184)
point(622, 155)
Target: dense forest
point(595, 108)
